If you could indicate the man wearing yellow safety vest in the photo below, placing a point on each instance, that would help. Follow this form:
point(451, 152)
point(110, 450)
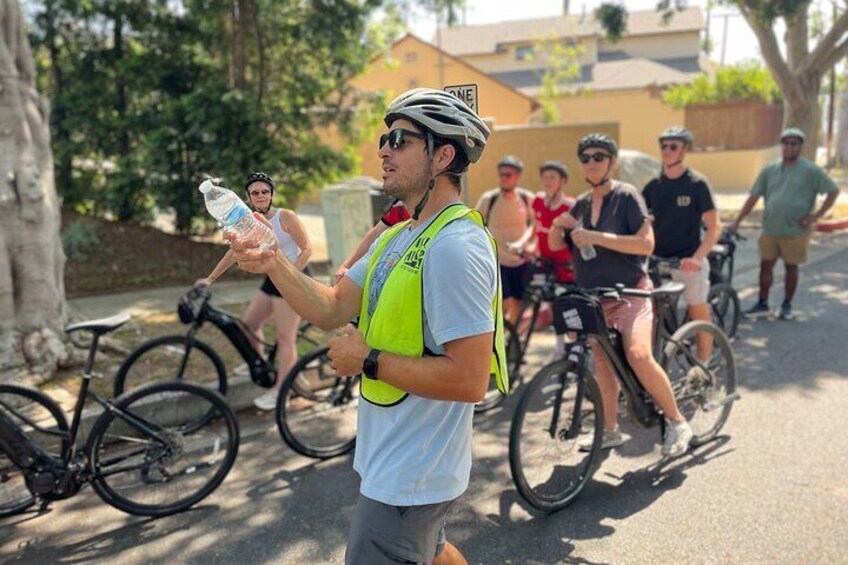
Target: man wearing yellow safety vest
point(430, 333)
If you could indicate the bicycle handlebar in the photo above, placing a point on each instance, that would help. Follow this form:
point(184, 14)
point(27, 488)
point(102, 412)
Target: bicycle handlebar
point(614, 293)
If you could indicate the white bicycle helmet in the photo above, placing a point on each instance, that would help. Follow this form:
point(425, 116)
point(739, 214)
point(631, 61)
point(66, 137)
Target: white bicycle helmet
point(445, 116)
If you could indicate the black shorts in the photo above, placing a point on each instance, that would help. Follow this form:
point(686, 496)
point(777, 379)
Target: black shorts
point(513, 280)
point(269, 288)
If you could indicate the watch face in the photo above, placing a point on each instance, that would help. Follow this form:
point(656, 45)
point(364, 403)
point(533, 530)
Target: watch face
point(369, 367)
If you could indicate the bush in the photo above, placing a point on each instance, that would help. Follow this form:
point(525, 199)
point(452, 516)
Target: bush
point(77, 238)
point(745, 81)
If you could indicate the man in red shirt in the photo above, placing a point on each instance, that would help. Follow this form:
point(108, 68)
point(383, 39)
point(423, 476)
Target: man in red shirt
point(546, 206)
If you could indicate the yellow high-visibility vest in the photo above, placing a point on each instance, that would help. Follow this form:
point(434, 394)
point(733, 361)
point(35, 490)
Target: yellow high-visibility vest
point(397, 324)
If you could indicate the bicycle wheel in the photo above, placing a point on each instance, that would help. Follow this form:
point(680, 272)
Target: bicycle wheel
point(725, 308)
point(548, 467)
point(172, 357)
point(316, 409)
point(149, 456)
point(704, 390)
point(41, 419)
point(514, 357)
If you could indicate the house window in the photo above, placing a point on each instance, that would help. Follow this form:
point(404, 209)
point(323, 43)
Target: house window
point(411, 57)
point(524, 53)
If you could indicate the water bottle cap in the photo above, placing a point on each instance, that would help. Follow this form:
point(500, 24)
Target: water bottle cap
point(206, 186)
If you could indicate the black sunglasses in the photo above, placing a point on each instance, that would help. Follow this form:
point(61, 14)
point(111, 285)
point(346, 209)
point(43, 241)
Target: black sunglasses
point(669, 146)
point(598, 157)
point(397, 138)
point(791, 142)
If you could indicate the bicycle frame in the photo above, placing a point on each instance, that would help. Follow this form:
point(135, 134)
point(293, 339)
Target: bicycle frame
point(231, 327)
point(26, 454)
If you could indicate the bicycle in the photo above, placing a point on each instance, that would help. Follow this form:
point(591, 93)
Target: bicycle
point(207, 367)
point(540, 288)
point(561, 406)
point(324, 400)
point(723, 300)
point(149, 453)
point(722, 257)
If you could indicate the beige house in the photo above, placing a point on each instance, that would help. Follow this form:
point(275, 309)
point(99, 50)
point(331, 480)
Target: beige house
point(412, 62)
point(618, 81)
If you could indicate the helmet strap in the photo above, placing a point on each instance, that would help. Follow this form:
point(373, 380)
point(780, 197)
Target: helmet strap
point(606, 176)
point(423, 202)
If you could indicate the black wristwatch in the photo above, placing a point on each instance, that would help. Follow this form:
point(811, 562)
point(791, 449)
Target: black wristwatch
point(369, 366)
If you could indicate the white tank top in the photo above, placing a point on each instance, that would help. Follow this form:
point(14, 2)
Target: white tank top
point(285, 241)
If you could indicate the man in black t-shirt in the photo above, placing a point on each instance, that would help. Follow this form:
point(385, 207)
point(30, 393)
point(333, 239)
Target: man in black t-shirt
point(680, 201)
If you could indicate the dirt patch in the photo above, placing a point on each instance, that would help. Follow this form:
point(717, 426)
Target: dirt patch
point(145, 327)
point(127, 256)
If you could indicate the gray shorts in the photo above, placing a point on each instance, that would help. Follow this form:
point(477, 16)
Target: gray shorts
point(382, 533)
point(697, 284)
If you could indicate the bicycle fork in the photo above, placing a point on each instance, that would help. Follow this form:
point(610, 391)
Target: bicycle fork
point(577, 350)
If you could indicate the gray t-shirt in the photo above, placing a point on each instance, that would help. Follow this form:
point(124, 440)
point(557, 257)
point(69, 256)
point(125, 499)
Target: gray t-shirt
point(622, 213)
point(419, 451)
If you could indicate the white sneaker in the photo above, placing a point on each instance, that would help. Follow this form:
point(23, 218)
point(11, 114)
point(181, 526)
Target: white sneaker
point(267, 401)
point(611, 439)
point(677, 438)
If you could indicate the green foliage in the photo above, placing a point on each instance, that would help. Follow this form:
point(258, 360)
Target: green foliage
point(562, 70)
point(148, 97)
point(746, 81)
point(613, 18)
point(78, 238)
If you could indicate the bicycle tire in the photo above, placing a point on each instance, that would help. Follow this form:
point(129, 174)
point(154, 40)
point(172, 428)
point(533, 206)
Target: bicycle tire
point(316, 409)
point(698, 393)
point(725, 308)
point(530, 438)
point(163, 407)
point(138, 366)
point(514, 358)
point(15, 496)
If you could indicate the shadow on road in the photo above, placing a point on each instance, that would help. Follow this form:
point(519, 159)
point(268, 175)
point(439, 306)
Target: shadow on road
point(768, 348)
point(512, 536)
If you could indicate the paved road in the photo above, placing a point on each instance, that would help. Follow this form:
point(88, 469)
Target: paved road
point(772, 489)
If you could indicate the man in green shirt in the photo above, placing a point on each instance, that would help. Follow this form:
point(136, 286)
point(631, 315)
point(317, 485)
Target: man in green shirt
point(789, 187)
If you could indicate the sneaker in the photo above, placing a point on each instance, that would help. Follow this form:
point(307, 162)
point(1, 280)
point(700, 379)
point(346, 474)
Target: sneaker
point(677, 438)
point(758, 310)
point(612, 438)
point(786, 311)
point(267, 401)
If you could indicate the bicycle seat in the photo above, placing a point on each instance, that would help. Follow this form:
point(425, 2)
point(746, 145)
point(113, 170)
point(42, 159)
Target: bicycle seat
point(720, 249)
point(101, 326)
point(668, 291)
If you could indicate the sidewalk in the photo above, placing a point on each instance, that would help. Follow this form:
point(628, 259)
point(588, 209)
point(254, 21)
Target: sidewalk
point(823, 245)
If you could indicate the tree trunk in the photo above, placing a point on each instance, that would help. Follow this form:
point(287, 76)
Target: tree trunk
point(32, 292)
point(842, 130)
point(804, 112)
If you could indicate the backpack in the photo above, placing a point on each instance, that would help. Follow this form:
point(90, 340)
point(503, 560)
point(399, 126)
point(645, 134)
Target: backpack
point(524, 198)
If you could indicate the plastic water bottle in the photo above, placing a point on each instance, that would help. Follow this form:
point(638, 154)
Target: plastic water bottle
point(233, 214)
point(587, 252)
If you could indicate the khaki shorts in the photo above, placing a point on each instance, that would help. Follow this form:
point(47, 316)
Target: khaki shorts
point(793, 249)
point(696, 283)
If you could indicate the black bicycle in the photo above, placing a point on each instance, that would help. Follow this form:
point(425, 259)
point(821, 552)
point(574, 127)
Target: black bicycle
point(195, 360)
point(723, 300)
point(561, 407)
point(154, 451)
point(316, 409)
point(540, 288)
point(722, 257)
